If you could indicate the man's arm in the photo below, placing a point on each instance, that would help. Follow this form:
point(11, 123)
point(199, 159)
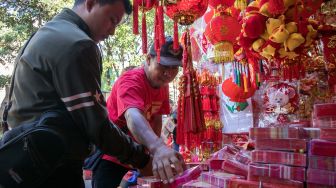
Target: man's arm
point(157, 119)
point(163, 156)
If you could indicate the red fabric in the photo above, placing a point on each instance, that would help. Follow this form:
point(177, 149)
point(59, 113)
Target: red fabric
point(133, 90)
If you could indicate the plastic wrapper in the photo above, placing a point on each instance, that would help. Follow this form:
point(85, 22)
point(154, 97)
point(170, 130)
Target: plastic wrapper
point(322, 162)
point(237, 117)
point(278, 171)
point(219, 179)
point(324, 122)
point(234, 167)
point(244, 157)
point(216, 164)
point(188, 175)
point(279, 157)
point(197, 184)
point(322, 177)
point(273, 133)
point(151, 181)
point(240, 183)
point(309, 133)
point(228, 151)
point(284, 133)
point(322, 147)
point(277, 181)
point(280, 104)
point(313, 185)
point(295, 145)
point(328, 134)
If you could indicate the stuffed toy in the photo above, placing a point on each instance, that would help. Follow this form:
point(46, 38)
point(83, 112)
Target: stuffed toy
point(280, 100)
point(291, 27)
point(257, 44)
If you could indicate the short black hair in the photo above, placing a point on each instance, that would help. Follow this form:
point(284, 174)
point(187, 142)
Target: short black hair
point(127, 4)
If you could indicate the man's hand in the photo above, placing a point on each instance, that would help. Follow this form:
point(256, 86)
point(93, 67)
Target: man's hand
point(167, 163)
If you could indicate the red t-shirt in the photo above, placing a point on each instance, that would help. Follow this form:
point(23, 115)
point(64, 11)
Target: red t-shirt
point(133, 90)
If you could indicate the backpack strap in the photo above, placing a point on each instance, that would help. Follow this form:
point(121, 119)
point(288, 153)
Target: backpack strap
point(8, 104)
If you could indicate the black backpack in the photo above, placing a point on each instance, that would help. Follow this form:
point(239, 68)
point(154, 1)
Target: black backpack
point(31, 152)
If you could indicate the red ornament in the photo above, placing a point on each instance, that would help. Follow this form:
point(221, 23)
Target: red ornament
point(221, 4)
point(222, 32)
point(235, 92)
point(185, 12)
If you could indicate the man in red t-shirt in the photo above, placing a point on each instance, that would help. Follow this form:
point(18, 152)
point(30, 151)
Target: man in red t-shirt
point(137, 101)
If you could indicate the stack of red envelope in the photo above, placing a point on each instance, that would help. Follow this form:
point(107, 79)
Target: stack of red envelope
point(322, 152)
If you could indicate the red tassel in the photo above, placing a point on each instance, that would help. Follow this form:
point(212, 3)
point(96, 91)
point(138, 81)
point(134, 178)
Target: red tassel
point(135, 17)
point(276, 7)
point(148, 4)
point(176, 43)
point(157, 45)
point(144, 34)
point(161, 25)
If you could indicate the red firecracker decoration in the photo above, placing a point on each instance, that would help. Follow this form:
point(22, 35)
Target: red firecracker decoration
point(190, 116)
point(222, 32)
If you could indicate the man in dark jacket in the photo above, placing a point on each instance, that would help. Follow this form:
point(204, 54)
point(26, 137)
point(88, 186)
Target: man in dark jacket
point(60, 69)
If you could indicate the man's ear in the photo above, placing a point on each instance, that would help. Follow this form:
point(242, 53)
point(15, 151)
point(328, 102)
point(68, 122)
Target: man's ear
point(89, 4)
point(148, 60)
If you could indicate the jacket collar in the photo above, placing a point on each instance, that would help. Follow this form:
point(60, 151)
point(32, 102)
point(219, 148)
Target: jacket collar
point(72, 17)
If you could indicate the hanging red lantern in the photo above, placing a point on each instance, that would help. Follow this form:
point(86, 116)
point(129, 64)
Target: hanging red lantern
point(185, 12)
point(222, 32)
point(235, 92)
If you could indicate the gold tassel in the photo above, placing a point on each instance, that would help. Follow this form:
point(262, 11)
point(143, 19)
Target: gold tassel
point(224, 52)
point(240, 4)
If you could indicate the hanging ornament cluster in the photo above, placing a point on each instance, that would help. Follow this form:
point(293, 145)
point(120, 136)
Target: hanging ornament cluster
point(210, 106)
point(143, 6)
point(278, 28)
point(190, 121)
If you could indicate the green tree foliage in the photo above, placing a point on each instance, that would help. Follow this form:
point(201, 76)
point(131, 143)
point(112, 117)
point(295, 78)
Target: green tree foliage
point(20, 18)
point(4, 80)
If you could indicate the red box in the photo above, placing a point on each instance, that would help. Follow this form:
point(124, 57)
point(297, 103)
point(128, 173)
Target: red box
point(239, 183)
point(219, 179)
point(198, 184)
point(234, 167)
point(295, 145)
point(322, 177)
point(328, 134)
point(273, 132)
point(326, 109)
point(282, 182)
point(278, 171)
point(324, 122)
point(279, 157)
point(216, 164)
point(322, 147)
point(150, 181)
point(313, 185)
point(322, 162)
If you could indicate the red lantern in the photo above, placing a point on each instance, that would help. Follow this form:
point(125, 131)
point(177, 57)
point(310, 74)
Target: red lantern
point(235, 92)
point(222, 32)
point(185, 12)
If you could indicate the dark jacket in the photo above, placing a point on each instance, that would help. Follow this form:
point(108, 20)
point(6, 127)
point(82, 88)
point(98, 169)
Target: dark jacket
point(61, 69)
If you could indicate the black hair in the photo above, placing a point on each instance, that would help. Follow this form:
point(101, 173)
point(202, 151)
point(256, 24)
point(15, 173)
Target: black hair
point(127, 4)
